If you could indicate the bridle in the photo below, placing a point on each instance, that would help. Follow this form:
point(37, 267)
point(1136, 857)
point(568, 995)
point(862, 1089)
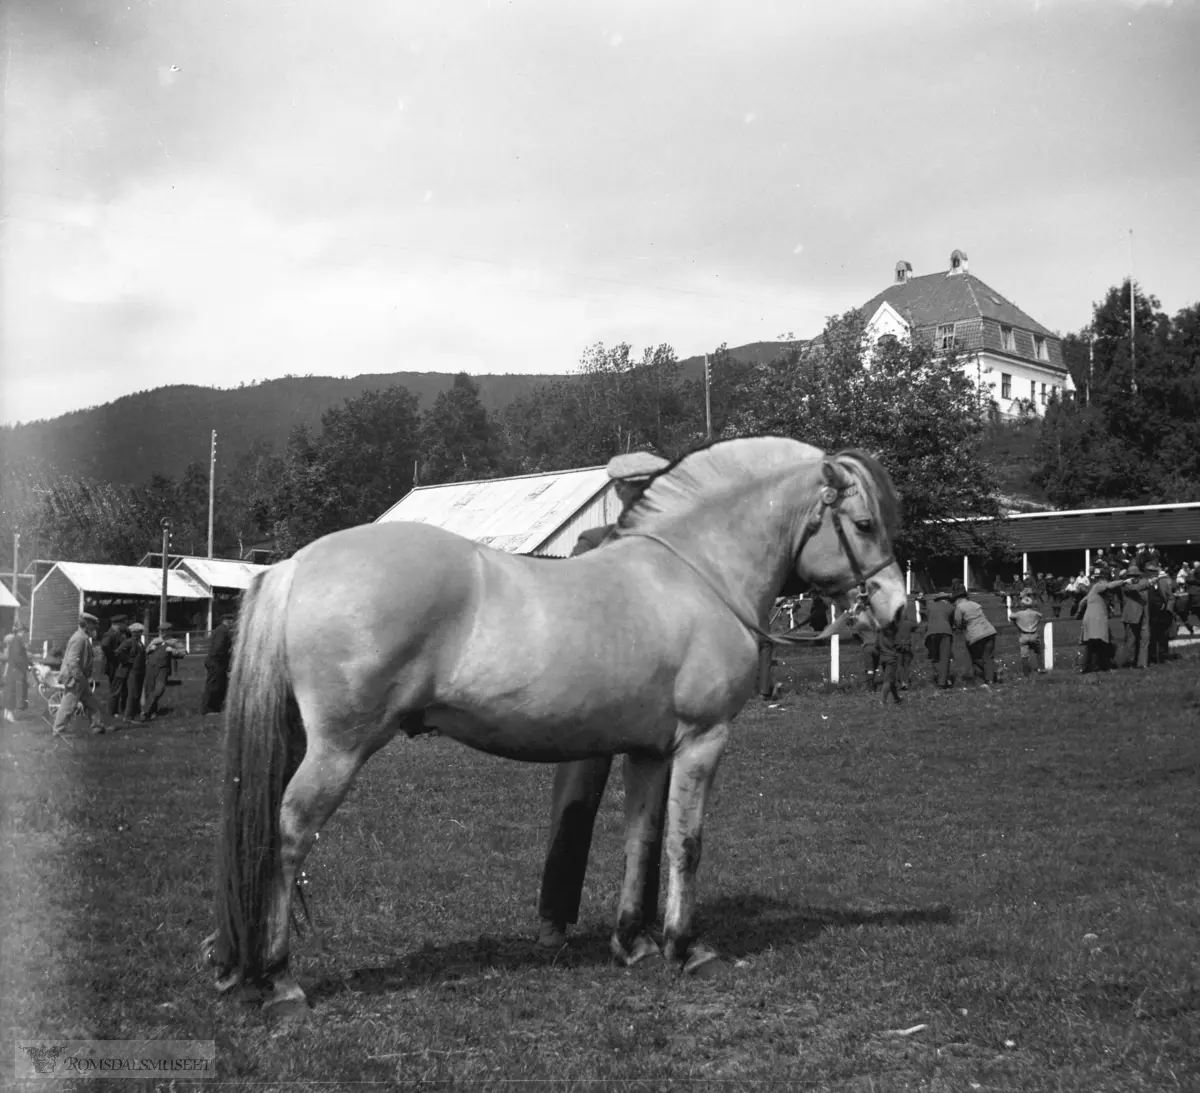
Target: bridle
point(830, 498)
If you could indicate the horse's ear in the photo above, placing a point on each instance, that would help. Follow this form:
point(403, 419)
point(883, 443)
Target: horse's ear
point(835, 474)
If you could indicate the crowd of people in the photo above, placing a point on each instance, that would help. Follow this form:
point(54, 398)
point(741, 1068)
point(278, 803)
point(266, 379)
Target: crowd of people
point(1130, 604)
point(137, 670)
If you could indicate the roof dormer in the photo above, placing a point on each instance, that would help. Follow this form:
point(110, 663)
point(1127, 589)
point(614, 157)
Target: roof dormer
point(903, 271)
point(958, 261)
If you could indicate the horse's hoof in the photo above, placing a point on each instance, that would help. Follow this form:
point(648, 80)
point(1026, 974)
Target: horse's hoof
point(642, 948)
point(286, 1012)
point(227, 983)
point(703, 963)
point(208, 950)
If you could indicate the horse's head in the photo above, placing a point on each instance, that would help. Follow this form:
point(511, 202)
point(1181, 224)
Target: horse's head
point(846, 541)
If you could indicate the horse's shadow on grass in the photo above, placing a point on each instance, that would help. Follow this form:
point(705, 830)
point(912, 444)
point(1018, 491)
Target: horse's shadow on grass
point(737, 926)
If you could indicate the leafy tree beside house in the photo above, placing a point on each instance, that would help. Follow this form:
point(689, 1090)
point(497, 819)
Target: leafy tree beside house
point(1133, 432)
point(901, 400)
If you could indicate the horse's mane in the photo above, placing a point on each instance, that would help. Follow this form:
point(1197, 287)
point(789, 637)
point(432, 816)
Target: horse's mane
point(721, 467)
point(709, 471)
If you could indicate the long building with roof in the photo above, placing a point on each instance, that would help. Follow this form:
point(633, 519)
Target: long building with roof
point(540, 514)
point(66, 589)
point(1008, 353)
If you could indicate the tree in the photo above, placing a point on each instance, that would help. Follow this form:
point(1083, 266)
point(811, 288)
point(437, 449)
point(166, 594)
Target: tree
point(1133, 433)
point(457, 441)
point(898, 399)
point(612, 404)
point(360, 465)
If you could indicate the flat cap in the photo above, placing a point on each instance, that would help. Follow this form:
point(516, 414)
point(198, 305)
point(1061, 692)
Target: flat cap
point(634, 465)
point(86, 617)
point(136, 628)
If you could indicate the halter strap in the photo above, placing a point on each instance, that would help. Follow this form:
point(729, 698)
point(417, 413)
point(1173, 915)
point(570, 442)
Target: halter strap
point(754, 628)
point(830, 499)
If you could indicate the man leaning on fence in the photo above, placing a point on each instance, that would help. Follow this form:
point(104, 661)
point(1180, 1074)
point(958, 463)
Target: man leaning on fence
point(75, 675)
point(216, 667)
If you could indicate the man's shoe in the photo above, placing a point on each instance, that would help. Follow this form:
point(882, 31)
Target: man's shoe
point(98, 730)
point(551, 934)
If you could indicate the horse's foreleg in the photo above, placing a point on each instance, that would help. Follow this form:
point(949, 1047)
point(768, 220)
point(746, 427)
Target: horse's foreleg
point(316, 789)
point(645, 788)
point(692, 772)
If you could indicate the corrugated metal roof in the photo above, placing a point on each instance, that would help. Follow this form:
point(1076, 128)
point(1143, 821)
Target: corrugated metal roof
point(129, 580)
point(1171, 527)
point(515, 515)
point(222, 572)
point(7, 599)
point(1081, 529)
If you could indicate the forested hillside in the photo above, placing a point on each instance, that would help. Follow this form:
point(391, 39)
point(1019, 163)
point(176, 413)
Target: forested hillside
point(162, 431)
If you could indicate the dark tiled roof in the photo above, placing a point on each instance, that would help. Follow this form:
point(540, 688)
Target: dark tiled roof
point(946, 298)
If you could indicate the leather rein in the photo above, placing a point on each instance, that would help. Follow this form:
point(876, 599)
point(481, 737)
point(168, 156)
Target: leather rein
point(831, 499)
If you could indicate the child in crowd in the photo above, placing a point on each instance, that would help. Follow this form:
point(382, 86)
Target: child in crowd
point(1028, 620)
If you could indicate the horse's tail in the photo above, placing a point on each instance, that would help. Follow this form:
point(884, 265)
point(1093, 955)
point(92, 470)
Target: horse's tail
point(264, 743)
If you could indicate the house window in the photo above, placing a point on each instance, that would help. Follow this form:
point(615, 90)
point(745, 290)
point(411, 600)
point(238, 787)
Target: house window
point(1054, 390)
point(1007, 341)
point(1033, 390)
point(1039, 348)
point(1043, 394)
point(945, 336)
point(1005, 385)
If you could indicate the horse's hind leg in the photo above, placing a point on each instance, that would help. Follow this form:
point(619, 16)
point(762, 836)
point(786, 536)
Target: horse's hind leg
point(692, 773)
point(316, 789)
point(645, 790)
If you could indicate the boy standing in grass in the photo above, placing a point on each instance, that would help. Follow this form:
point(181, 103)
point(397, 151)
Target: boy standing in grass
point(1028, 620)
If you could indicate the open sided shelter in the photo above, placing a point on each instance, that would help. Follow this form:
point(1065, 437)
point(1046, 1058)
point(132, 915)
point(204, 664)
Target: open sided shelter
point(223, 579)
point(69, 588)
point(1064, 542)
point(528, 514)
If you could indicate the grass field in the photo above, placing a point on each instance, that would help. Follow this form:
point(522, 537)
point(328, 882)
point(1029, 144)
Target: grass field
point(1014, 870)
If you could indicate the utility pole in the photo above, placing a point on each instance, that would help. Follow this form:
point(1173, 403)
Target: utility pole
point(212, 478)
point(1132, 322)
point(707, 398)
point(166, 546)
point(16, 550)
point(1091, 361)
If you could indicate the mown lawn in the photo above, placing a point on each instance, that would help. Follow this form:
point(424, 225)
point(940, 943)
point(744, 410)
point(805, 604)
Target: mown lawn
point(1015, 870)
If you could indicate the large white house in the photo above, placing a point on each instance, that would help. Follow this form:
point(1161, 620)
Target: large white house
point(1008, 353)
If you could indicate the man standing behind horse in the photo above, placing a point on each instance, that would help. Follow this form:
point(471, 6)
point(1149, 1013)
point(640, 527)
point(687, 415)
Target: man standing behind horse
point(216, 667)
point(579, 785)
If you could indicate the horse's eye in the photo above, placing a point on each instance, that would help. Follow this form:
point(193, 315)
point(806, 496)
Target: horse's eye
point(864, 525)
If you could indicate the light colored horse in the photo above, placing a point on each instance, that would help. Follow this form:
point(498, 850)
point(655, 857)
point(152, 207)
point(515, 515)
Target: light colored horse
point(401, 628)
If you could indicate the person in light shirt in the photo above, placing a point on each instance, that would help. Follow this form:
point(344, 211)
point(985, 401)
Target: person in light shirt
point(980, 635)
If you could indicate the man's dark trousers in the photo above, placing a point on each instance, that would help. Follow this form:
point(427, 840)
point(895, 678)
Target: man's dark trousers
point(940, 647)
point(578, 790)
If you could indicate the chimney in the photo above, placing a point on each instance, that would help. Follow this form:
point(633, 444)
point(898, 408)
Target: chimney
point(903, 271)
point(958, 261)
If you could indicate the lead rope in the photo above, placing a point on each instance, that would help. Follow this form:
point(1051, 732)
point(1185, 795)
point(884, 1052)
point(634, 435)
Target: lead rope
point(829, 499)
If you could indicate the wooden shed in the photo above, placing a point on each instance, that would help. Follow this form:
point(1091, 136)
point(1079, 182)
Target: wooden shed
point(69, 588)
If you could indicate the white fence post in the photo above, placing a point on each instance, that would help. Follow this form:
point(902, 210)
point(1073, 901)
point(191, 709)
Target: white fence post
point(45, 648)
point(1048, 647)
point(187, 641)
point(835, 665)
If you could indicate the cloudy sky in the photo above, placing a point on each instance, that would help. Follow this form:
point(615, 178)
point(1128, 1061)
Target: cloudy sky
point(218, 191)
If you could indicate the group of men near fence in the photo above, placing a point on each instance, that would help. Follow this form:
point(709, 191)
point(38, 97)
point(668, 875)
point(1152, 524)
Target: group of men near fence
point(137, 672)
point(1134, 595)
